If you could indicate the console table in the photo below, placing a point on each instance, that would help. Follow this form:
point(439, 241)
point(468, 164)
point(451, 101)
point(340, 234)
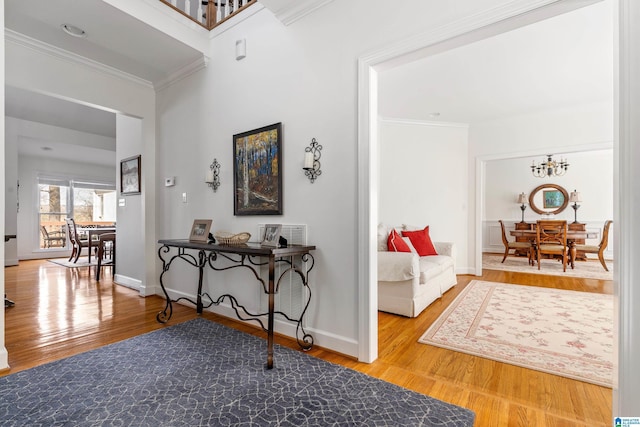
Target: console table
point(248, 255)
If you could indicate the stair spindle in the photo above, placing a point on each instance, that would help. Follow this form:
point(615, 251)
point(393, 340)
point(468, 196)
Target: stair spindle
point(235, 5)
point(174, 3)
point(199, 12)
point(219, 13)
point(187, 7)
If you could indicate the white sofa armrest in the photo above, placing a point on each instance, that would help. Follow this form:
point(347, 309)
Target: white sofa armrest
point(397, 266)
point(447, 248)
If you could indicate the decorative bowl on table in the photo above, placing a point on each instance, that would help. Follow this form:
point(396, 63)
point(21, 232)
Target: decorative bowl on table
point(226, 238)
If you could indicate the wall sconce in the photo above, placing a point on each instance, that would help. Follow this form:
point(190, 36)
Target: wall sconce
point(575, 198)
point(312, 160)
point(522, 199)
point(213, 175)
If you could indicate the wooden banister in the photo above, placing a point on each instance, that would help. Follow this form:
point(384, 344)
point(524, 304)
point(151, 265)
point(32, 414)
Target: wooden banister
point(213, 14)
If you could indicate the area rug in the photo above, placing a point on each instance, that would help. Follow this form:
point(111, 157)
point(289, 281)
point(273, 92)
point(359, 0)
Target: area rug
point(566, 333)
point(82, 262)
point(590, 269)
point(200, 373)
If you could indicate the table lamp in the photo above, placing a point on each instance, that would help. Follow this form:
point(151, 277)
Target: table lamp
point(522, 199)
point(575, 198)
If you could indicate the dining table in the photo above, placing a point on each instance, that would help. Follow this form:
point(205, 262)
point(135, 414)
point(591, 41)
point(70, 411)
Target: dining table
point(572, 236)
point(94, 231)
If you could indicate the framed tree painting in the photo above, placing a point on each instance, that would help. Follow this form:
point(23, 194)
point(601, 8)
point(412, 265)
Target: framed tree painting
point(130, 176)
point(257, 171)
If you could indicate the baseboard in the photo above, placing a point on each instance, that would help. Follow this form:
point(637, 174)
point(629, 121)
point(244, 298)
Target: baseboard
point(128, 282)
point(4, 360)
point(337, 343)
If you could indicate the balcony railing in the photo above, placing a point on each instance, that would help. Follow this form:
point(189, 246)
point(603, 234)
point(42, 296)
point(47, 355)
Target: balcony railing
point(208, 13)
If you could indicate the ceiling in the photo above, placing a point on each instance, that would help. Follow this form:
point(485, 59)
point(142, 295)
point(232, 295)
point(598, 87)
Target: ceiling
point(115, 39)
point(560, 62)
point(557, 63)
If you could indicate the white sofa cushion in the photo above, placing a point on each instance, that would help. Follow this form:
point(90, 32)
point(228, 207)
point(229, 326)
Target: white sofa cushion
point(397, 266)
point(432, 265)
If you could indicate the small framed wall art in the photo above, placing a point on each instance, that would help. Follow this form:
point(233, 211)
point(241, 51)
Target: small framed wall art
point(130, 173)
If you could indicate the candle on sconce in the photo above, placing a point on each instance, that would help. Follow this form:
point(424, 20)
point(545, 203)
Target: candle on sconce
point(308, 160)
point(209, 177)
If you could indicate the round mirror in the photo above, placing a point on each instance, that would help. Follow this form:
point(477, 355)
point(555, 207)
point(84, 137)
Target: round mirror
point(548, 199)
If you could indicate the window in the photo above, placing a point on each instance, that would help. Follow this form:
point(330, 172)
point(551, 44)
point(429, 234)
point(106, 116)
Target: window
point(90, 203)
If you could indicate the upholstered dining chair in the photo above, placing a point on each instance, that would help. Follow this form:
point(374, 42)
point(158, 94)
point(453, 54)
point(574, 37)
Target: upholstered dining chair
point(76, 243)
point(509, 245)
point(551, 239)
point(106, 253)
point(600, 248)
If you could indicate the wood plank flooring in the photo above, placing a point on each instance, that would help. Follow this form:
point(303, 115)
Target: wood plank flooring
point(60, 312)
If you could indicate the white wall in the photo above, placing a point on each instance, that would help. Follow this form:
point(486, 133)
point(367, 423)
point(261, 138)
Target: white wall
point(626, 394)
point(130, 243)
point(305, 77)
point(420, 181)
point(11, 192)
point(4, 359)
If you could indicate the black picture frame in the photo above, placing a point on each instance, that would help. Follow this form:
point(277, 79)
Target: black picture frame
point(130, 175)
point(257, 171)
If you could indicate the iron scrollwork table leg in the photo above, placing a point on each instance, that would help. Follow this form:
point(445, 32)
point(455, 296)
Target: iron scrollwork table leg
point(305, 341)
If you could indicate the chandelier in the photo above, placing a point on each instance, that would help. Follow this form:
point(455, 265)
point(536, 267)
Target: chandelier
point(549, 168)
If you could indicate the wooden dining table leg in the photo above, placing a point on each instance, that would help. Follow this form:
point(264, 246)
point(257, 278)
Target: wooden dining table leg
point(572, 253)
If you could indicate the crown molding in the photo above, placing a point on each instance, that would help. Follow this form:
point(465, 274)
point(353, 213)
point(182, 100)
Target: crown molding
point(70, 57)
point(428, 123)
point(291, 13)
point(512, 14)
point(184, 72)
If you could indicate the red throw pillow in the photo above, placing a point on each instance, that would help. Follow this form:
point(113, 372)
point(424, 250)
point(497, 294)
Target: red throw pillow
point(396, 244)
point(421, 241)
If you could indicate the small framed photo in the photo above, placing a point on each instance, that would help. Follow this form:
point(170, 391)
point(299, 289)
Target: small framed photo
point(200, 230)
point(271, 235)
point(130, 174)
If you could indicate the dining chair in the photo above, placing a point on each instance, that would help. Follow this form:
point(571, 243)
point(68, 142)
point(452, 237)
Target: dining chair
point(551, 239)
point(509, 245)
point(76, 243)
point(106, 255)
point(600, 248)
point(53, 238)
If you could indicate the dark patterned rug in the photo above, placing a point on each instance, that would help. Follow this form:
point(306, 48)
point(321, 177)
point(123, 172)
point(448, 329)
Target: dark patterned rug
point(201, 373)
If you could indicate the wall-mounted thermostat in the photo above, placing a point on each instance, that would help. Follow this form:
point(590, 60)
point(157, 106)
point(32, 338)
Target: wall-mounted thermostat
point(170, 182)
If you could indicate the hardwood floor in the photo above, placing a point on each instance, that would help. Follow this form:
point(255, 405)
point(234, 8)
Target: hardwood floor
point(60, 312)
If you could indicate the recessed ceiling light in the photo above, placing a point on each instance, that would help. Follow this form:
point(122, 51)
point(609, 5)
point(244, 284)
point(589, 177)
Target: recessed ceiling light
point(434, 115)
point(73, 31)
point(45, 148)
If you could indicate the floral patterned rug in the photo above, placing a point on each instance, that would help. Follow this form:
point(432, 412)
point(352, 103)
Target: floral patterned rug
point(566, 333)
